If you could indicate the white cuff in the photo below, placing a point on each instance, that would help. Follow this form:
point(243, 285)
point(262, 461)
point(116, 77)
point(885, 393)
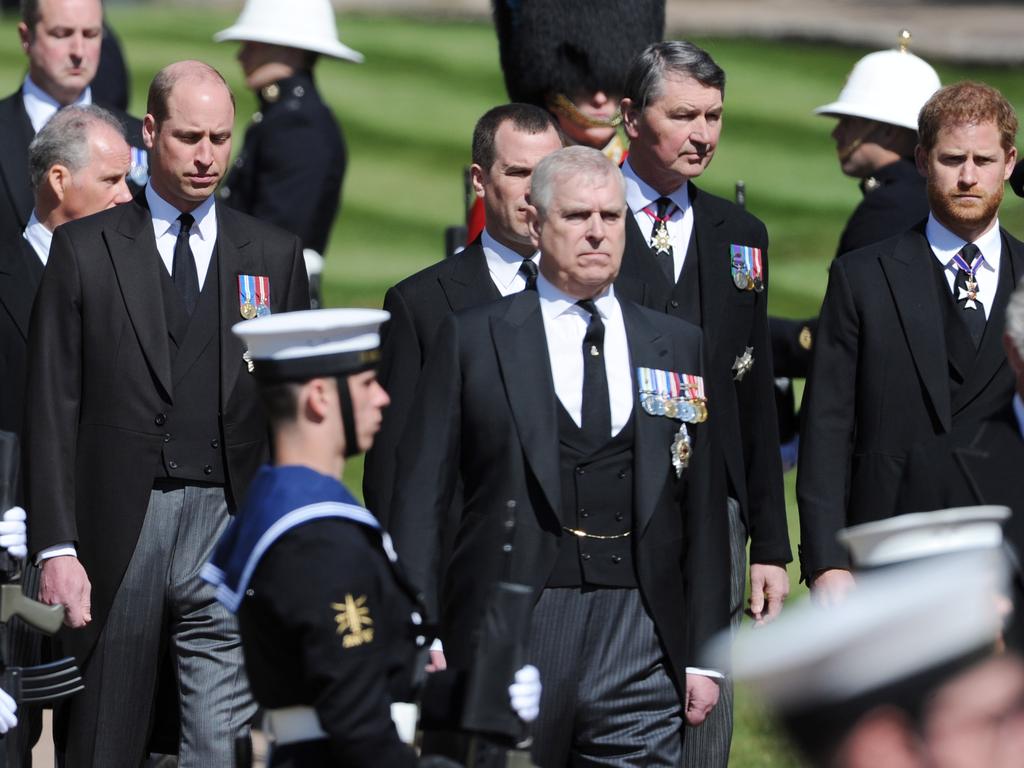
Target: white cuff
point(57, 550)
point(437, 645)
point(705, 672)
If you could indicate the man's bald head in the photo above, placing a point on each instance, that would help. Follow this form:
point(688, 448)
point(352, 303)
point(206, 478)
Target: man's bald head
point(167, 78)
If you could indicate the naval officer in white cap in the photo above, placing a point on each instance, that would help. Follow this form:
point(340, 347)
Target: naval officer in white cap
point(330, 626)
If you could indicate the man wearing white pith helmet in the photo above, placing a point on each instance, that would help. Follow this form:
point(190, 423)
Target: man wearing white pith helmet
point(291, 167)
point(875, 139)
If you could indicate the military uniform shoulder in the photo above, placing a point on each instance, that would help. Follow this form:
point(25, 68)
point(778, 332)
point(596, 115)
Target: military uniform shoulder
point(723, 208)
point(258, 228)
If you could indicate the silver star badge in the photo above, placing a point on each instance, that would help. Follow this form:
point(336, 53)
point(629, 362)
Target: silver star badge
point(248, 361)
point(661, 241)
point(970, 296)
point(743, 363)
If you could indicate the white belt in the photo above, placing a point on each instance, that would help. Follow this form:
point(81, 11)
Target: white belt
point(290, 725)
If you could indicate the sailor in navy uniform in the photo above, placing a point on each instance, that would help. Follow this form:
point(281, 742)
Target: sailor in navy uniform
point(332, 659)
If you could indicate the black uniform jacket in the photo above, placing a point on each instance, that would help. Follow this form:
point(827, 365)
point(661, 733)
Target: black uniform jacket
point(291, 166)
point(745, 422)
point(881, 382)
point(20, 272)
point(99, 383)
point(326, 624)
point(486, 413)
point(16, 133)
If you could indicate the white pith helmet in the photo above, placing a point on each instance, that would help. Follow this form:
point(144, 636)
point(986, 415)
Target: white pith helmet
point(887, 86)
point(305, 24)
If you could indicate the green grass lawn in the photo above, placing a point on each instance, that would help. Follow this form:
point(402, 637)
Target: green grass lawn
point(408, 115)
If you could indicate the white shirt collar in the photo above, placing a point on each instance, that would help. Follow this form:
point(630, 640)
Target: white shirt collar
point(502, 262)
point(945, 245)
point(166, 216)
point(554, 302)
point(1018, 409)
point(640, 194)
point(41, 106)
point(39, 237)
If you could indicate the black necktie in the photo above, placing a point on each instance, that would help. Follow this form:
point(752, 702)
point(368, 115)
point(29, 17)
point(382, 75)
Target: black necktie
point(974, 316)
point(183, 272)
point(660, 245)
point(529, 272)
point(596, 411)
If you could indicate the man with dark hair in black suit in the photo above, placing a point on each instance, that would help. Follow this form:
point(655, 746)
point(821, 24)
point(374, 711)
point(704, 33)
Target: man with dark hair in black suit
point(582, 412)
point(910, 337)
point(143, 429)
point(62, 41)
point(508, 142)
point(705, 260)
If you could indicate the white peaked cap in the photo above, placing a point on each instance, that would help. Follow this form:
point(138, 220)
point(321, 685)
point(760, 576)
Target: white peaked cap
point(896, 623)
point(924, 534)
point(305, 24)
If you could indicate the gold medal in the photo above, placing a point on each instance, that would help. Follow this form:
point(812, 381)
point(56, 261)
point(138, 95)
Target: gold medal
point(660, 241)
point(248, 310)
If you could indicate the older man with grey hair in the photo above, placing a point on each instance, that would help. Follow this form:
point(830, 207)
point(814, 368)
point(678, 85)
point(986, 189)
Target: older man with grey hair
point(705, 260)
point(583, 413)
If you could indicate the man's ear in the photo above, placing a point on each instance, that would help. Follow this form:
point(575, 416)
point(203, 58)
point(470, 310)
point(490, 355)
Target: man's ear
point(476, 178)
point(921, 160)
point(533, 223)
point(149, 131)
point(630, 118)
point(24, 35)
point(58, 178)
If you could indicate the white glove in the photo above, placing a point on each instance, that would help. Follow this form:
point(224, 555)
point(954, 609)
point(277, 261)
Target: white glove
point(7, 709)
point(12, 533)
point(524, 693)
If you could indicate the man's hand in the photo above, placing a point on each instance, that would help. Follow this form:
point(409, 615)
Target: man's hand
point(701, 698)
point(8, 708)
point(769, 587)
point(63, 582)
point(524, 693)
point(829, 587)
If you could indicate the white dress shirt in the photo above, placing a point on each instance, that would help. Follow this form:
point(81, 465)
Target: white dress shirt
point(41, 106)
point(503, 263)
point(640, 196)
point(945, 245)
point(39, 237)
point(565, 325)
point(201, 239)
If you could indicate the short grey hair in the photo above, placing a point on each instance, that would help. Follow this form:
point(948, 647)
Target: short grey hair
point(64, 140)
point(1015, 318)
point(648, 71)
point(583, 163)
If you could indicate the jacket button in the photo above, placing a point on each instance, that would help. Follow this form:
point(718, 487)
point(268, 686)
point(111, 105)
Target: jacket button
point(172, 464)
point(616, 559)
point(622, 474)
point(580, 471)
point(618, 517)
point(207, 470)
point(674, 304)
point(215, 443)
point(160, 419)
point(167, 437)
point(584, 556)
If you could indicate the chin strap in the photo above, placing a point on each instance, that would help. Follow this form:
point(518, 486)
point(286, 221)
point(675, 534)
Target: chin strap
point(348, 420)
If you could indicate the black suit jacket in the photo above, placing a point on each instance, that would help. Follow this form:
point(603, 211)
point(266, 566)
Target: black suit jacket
point(881, 382)
point(100, 375)
point(20, 272)
point(486, 414)
point(745, 423)
point(16, 133)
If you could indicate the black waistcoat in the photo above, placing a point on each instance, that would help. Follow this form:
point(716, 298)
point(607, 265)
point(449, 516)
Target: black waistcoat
point(192, 448)
point(684, 301)
point(597, 497)
point(960, 350)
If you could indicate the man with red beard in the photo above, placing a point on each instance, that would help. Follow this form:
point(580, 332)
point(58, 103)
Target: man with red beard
point(910, 338)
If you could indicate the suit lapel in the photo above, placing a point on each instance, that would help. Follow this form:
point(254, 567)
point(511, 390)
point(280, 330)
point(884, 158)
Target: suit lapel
point(136, 261)
point(991, 357)
point(715, 275)
point(236, 255)
point(647, 348)
point(521, 348)
point(20, 270)
point(14, 158)
point(469, 283)
point(908, 272)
